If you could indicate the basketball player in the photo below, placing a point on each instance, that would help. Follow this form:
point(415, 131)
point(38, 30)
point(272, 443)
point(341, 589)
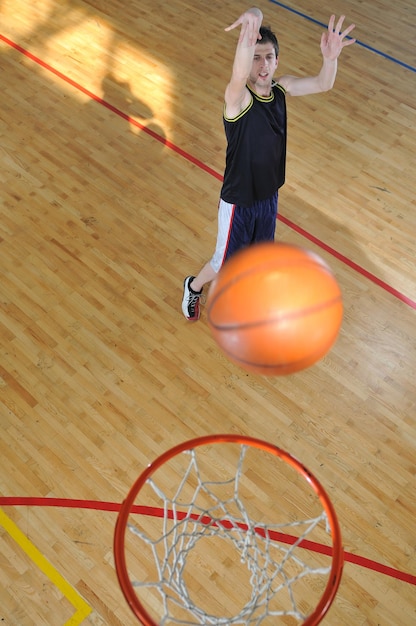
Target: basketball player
point(255, 128)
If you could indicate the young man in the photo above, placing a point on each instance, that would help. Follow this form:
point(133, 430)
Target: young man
point(255, 128)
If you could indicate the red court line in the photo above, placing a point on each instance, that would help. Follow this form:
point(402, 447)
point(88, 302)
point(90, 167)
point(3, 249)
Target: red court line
point(159, 512)
point(381, 283)
point(189, 157)
point(109, 106)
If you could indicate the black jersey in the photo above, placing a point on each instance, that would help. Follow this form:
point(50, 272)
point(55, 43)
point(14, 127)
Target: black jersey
point(256, 149)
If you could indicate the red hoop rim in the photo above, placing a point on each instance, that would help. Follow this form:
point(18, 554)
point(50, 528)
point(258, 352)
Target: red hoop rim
point(335, 575)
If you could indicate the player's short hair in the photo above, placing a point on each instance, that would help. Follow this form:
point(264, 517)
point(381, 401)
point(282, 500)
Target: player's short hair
point(267, 35)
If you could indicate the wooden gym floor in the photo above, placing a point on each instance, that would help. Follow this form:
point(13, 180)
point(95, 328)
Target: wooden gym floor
point(112, 151)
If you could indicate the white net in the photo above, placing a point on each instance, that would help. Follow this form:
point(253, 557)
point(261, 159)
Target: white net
point(209, 551)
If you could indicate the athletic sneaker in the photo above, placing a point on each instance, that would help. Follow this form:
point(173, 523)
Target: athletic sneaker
point(190, 301)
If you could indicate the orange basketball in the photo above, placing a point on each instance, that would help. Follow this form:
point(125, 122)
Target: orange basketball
point(275, 308)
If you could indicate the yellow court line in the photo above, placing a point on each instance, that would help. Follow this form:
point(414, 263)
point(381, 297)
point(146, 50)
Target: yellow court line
point(82, 608)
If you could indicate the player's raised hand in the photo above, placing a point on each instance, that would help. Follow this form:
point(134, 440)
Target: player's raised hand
point(334, 39)
point(250, 22)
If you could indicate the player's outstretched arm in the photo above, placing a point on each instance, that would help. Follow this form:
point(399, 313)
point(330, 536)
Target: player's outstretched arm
point(236, 93)
point(333, 40)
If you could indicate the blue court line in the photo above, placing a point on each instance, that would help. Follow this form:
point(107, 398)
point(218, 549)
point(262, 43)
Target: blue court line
point(360, 43)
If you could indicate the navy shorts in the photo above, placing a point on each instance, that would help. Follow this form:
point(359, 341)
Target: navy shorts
point(239, 227)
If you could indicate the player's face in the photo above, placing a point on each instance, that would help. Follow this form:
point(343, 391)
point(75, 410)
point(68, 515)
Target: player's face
point(263, 68)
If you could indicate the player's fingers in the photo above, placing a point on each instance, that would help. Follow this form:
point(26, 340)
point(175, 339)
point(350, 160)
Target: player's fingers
point(348, 42)
point(253, 34)
point(331, 23)
point(347, 30)
point(338, 27)
point(234, 25)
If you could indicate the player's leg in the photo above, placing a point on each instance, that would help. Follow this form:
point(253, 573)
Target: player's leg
point(265, 213)
point(193, 285)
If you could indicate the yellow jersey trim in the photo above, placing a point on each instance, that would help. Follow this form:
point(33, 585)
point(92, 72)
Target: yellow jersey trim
point(250, 104)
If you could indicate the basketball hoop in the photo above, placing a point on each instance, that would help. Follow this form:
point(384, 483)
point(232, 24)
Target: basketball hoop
point(209, 499)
